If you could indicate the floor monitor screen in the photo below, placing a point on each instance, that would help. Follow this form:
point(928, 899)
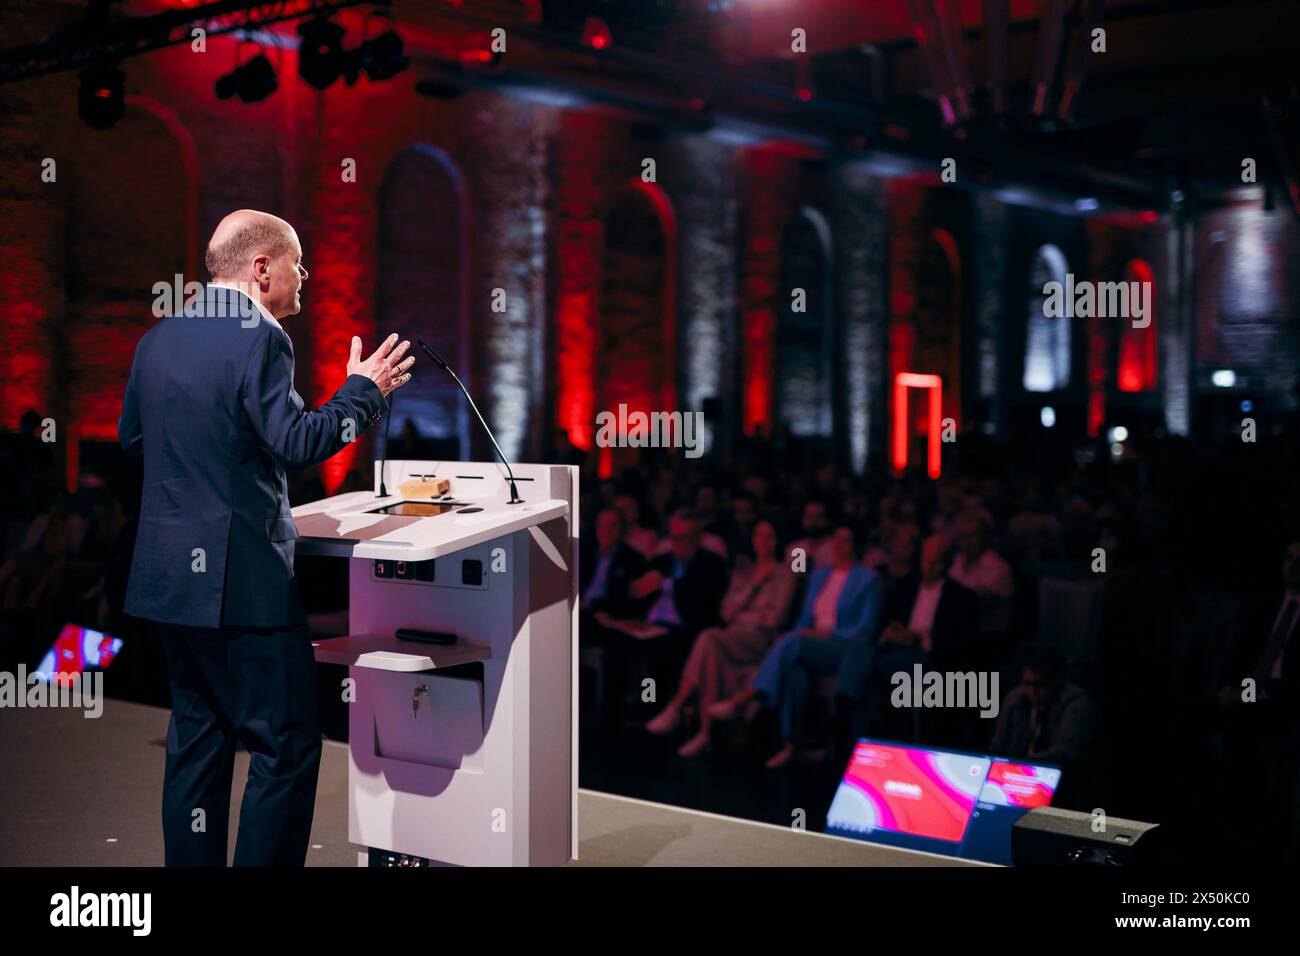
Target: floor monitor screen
point(910, 797)
point(76, 650)
point(1011, 791)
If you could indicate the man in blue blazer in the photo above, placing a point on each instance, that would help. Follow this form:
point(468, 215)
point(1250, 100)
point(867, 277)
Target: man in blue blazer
point(210, 404)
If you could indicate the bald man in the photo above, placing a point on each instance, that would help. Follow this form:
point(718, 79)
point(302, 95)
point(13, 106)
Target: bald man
point(211, 406)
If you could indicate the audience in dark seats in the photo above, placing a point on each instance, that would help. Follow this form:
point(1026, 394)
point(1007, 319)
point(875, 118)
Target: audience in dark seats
point(895, 559)
point(53, 538)
point(608, 567)
point(685, 581)
point(841, 608)
point(740, 533)
point(679, 593)
point(723, 658)
point(78, 584)
point(1034, 533)
point(1259, 695)
point(28, 469)
point(637, 535)
point(1267, 650)
point(707, 539)
point(926, 619)
point(1186, 605)
point(815, 545)
point(980, 568)
point(1047, 719)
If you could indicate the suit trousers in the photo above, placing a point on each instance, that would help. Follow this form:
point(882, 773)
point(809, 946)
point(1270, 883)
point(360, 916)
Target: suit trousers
point(255, 686)
point(785, 675)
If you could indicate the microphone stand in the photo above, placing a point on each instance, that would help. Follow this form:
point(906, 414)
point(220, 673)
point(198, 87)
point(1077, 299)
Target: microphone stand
point(388, 423)
point(437, 359)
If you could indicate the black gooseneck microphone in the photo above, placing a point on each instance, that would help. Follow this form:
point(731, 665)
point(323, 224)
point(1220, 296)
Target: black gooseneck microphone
point(388, 422)
point(437, 360)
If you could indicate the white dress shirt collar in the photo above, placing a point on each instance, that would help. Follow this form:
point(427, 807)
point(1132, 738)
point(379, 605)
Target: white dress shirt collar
point(261, 308)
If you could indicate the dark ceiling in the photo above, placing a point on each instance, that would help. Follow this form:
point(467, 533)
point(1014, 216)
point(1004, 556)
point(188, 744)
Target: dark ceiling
point(1185, 90)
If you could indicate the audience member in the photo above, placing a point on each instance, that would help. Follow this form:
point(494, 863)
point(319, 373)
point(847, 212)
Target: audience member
point(683, 587)
point(841, 608)
point(607, 569)
point(637, 535)
point(979, 568)
point(723, 658)
point(927, 619)
point(1049, 720)
point(816, 544)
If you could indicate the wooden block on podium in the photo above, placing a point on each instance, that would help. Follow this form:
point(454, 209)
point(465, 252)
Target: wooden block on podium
point(424, 487)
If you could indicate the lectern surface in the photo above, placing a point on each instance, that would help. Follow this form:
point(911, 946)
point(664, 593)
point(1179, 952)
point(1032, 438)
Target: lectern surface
point(355, 525)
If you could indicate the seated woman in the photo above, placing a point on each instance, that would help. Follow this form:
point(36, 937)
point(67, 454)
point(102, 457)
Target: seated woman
point(722, 658)
point(839, 613)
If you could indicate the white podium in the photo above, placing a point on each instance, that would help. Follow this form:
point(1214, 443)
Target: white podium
point(464, 753)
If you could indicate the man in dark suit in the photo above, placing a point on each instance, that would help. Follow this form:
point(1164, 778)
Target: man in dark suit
point(927, 618)
point(607, 569)
point(685, 584)
point(210, 404)
point(677, 597)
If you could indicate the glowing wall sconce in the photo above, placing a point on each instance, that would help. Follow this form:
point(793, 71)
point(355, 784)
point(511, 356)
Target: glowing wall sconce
point(902, 382)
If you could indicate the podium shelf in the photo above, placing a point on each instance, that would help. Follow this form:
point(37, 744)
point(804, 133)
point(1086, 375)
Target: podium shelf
point(386, 653)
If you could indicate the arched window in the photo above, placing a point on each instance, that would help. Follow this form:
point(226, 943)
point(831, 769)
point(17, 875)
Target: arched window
point(1047, 338)
point(925, 341)
point(636, 363)
point(422, 290)
point(121, 242)
point(1137, 367)
point(805, 328)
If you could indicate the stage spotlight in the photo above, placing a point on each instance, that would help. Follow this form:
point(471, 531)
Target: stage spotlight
point(803, 81)
point(595, 34)
point(477, 57)
point(100, 100)
point(320, 54)
point(252, 81)
point(383, 57)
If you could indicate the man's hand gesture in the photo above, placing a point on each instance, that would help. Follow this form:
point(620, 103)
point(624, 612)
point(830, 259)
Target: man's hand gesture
point(384, 367)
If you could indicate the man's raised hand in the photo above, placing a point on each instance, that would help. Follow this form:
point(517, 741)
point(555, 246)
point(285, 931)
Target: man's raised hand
point(384, 367)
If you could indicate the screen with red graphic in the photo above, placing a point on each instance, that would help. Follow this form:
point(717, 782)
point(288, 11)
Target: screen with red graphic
point(1011, 791)
point(75, 650)
point(907, 796)
point(1019, 785)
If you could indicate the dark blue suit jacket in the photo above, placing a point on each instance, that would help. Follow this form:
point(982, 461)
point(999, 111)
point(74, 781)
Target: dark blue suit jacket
point(211, 405)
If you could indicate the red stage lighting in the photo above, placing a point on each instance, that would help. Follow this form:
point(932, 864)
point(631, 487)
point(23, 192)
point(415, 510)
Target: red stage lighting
point(595, 34)
point(934, 384)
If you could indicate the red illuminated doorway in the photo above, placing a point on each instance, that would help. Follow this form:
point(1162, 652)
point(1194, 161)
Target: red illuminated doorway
point(903, 435)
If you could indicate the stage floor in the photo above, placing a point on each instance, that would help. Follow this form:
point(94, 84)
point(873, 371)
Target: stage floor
point(87, 792)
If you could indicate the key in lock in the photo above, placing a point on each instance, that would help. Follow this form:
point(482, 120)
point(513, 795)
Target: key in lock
point(421, 691)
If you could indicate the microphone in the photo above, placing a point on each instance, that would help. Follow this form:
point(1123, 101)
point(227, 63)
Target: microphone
point(388, 422)
point(437, 360)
